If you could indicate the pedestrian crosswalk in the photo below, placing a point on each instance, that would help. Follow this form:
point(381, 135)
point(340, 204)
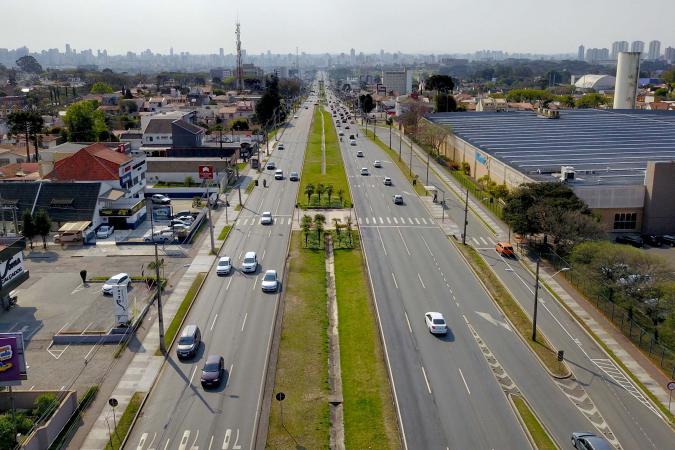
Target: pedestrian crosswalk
point(396, 221)
point(278, 220)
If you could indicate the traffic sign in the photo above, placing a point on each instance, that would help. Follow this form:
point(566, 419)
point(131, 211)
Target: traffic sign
point(206, 172)
point(671, 386)
point(280, 396)
point(113, 402)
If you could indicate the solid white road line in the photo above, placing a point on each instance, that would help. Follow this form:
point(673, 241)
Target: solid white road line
point(403, 240)
point(192, 376)
point(394, 277)
point(426, 380)
point(465, 385)
point(408, 322)
point(382, 241)
point(427, 245)
point(264, 251)
point(243, 324)
point(228, 284)
point(421, 282)
point(211, 442)
point(214, 321)
point(229, 375)
point(167, 444)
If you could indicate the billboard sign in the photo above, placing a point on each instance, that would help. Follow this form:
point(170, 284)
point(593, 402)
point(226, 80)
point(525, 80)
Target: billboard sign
point(206, 172)
point(12, 360)
point(11, 268)
point(121, 299)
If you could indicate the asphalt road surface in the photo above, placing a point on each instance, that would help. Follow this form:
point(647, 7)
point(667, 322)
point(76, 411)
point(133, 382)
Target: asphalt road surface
point(236, 319)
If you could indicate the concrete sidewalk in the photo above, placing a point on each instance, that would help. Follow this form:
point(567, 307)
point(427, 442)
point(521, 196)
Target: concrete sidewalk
point(143, 370)
point(640, 366)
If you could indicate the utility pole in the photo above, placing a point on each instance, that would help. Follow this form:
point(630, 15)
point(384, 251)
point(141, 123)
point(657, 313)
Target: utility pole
point(389, 135)
point(466, 216)
point(428, 156)
point(160, 314)
point(208, 209)
point(536, 303)
point(400, 143)
point(411, 152)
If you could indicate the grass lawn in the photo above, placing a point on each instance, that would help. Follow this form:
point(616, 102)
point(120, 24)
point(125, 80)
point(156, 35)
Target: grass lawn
point(400, 163)
point(224, 232)
point(541, 438)
point(124, 421)
point(335, 170)
point(369, 416)
point(183, 309)
point(514, 312)
point(302, 368)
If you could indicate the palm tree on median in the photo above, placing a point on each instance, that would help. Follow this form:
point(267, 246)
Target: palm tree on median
point(306, 226)
point(329, 193)
point(320, 189)
point(309, 190)
point(319, 223)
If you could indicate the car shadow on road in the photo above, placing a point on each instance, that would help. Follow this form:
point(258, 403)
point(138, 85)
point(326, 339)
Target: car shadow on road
point(447, 337)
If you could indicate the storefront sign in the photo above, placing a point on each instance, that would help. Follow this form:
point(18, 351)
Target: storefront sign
point(11, 269)
point(12, 362)
point(121, 299)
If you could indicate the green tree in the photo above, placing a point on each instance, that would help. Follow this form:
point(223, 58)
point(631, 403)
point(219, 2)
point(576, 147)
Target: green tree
point(440, 83)
point(566, 100)
point(28, 227)
point(309, 190)
point(101, 88)
point(29, 124)
point(668, 77)
point(44, 405)
point(348, 226)
point(239, 124)
point(445, 102)
point(43, 225)
point(269, 103)
point(592, 100)
point(528, 95)
point(85, 123)
point(366, 103)
point(341, 195)
point(29, 64)
point(7, 432)
point(329, 192)
point(306, 225)
point(320, 189)
point(319, 225)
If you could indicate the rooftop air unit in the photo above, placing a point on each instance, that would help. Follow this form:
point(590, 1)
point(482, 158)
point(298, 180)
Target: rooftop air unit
point(566, 173)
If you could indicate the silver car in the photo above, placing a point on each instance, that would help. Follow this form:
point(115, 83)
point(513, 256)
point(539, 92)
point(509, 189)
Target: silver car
point(266, 218)
point(270, 282)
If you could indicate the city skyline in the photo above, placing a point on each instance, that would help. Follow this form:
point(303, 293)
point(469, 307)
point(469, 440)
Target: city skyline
point(281, 28)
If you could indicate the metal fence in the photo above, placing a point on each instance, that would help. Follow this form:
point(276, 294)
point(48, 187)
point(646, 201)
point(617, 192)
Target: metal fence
point(487, 199)
point(633, 323)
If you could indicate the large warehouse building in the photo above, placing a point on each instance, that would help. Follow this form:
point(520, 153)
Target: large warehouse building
point(621, 162)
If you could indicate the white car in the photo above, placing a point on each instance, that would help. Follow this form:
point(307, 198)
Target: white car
point(295, 116)
point(266, 218)
point(279, 174)
point(250, 263)
point(436, 323)
point(270, 282)
point(105, 231)
point(224, 266)
point(377, 163)
point(387, 181)
point(364, 171)
point(352, 142)
point(160, 199)
point(359, 154)
point(121, 279)
point(398, 199)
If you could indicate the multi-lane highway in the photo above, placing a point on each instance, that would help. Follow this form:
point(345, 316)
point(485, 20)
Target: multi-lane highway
point(236, 320)
point(612, 402)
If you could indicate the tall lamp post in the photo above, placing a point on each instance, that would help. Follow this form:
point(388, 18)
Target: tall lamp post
point(536, 297)
point(160, 314)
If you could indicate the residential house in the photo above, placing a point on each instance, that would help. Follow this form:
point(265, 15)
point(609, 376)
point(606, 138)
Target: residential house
point(20, 172)
point(185, 134)
point(158, 132)
point(12, 103)
point(489, 104)
point(13, 154)
point(154, 104)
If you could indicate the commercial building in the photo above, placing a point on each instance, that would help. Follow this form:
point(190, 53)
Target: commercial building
point(637, 46)
point(397, 81)
point(581, 53)
point(654, 50)
point(595, 82)
point(618, 47)
point(621, 163)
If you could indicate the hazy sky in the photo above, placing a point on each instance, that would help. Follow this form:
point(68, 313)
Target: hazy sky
point(318, 26)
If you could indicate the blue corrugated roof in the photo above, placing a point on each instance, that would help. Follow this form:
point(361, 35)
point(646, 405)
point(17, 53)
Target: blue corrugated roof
point(603, 146)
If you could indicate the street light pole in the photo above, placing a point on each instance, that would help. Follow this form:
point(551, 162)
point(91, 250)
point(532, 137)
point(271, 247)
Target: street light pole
point(400, 144)
point(466, 216)
point(536, 303)
point(160, 314)
point(428, 156)
point(411, 152)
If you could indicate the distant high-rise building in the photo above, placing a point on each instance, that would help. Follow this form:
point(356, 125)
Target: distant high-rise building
point(399, 81)
point(654, 50)
point(618, 47)
point(637, 46)
point(67, 49)
point(221, 52)
point(352, 56)
point(669, 55)
point(171, 51)
point(594, 55)
point(581, 52)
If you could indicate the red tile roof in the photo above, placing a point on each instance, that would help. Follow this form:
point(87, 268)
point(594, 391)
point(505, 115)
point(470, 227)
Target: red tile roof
point(20, 171)
point(93, 163)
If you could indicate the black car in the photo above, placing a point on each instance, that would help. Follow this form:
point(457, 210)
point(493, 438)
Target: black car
point(213, 370)
point(668, 239)
point(652, 240)
point(635, 241)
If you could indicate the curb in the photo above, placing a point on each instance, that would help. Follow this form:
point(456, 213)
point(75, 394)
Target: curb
point(524, 426)
point(559, 377)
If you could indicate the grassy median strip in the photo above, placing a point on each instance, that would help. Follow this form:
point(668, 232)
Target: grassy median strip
point(542, 440)
point(183, 309)
point(369, 417)
point(514, 312)
point(302, 367)
point(399, 162)
point(125, 420)
point(224, 232)
point(335, 171)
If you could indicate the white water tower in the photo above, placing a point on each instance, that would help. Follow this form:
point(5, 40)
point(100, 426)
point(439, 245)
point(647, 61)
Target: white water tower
point(627, 75)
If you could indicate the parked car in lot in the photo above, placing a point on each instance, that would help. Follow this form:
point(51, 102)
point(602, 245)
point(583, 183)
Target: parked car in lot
point(589, 441)
point(635, 241)
point(270, 282)
point(504, 249)
point(121, 279)
point(652, 240)
point(436, 323)
point(180, 221)
point(250, 263)
point(294, 176)
point(224, 266)
point(189, 341)
point(160, 237)
point(266, 218)
point(279, 174)
point(185, 214)
point(180, 228)
point(387, 181)
point(213, 371)
point(668, 239)
point(104, 231)
point(398, 199)
point(160, 199)
point(364, 171)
